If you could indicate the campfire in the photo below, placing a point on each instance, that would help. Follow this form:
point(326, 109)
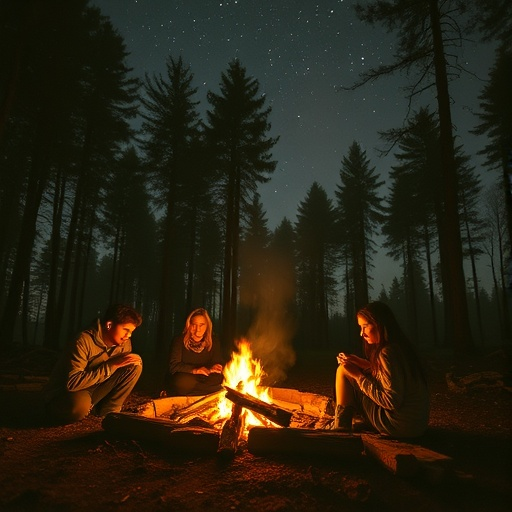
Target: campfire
point(242, 404)
point(244, 374)
point(243, 409)
point(270, 420)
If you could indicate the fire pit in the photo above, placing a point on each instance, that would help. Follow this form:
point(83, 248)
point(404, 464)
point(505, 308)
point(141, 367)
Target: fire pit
point(268, 420)
point(228, 416)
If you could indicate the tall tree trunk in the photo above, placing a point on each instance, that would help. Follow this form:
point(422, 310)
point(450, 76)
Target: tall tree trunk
point(476, 289)
point(235, 260)
point(411, 294)
point(191, 261)
point(504, 288)
point(53, 331)
point(431, 291)
point(227, 312)
point(36, 186)
point(85, 272)
point(165, 324)
point(55, 246)
point(457, 328)
point(114, 279)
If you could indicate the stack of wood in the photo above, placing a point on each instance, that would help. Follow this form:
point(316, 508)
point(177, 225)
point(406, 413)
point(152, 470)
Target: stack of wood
point(185, 432)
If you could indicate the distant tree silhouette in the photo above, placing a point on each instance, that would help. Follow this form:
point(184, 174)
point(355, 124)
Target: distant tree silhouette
point(495, 115)
point(472, 226)
point(359, 212)
point(132, 229)
point(495, 245)
point(316, 257)
point(254, 260)
point(236, 132)
point(170, 132)
point(415, 208)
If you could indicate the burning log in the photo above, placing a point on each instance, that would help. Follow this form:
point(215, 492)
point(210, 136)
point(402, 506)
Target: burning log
point(204, 404)
point(297, 441)
point(273, 413)
point(169, 435)
point(228, 442)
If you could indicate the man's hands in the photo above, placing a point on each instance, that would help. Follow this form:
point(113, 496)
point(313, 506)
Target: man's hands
point(123, 360)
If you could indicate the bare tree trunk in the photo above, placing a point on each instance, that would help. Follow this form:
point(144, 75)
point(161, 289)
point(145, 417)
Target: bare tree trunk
point(431, 292)
point(55, 246)
point(228, 320)
point(37, 183)
point(165, 324)
point(457, 329)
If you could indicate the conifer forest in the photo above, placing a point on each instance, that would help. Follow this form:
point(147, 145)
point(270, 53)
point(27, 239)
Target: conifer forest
point(117, 188)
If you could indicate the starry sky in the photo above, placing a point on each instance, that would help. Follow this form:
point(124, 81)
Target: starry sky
point(302, 52)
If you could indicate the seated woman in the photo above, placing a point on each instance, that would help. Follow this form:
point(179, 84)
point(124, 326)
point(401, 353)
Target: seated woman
point(388, 387)
point(195, 364)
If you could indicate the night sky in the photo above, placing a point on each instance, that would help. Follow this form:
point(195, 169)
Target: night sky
point(301, 52)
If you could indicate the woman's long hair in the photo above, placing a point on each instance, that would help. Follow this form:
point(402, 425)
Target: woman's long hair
point(389, 332)
point(207, 336)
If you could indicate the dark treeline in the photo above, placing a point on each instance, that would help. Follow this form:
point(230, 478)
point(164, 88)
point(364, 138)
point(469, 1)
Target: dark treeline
point(169, 218)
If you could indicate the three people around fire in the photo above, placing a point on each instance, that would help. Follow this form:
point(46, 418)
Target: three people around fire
point(388, 386)
point(98, 371)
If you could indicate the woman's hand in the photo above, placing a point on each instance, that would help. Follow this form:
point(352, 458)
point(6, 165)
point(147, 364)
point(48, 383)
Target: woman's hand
point(202, 370)
point(216, 368)
point(354, 360)
point(352, 370)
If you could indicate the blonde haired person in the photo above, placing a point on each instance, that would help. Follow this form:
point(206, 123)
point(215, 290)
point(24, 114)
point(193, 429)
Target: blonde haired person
point(195, 364)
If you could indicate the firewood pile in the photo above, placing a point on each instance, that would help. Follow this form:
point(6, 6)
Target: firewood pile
point(292, 425)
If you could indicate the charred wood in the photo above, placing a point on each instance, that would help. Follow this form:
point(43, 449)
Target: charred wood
point(273, 413)
point(201, 406)
point(230, 434)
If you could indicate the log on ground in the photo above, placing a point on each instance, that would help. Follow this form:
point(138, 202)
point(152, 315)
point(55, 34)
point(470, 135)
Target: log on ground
point(167, 435)
point(296, 441)
point(406, 459)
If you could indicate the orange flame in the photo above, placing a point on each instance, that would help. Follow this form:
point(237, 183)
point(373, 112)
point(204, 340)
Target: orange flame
point(244, 373)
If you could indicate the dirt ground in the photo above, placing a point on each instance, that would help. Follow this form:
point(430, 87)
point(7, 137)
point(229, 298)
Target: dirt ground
point(82, 467)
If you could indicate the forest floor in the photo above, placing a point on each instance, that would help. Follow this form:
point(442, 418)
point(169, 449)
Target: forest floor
point(83, 467)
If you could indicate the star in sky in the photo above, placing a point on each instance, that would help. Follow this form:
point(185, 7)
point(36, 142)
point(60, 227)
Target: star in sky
point(301, 52)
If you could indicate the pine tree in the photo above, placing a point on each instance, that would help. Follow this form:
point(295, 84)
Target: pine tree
point(236, 134)
point(316, 253)
point(359, 212)
point(425, 32)
point(170, 130)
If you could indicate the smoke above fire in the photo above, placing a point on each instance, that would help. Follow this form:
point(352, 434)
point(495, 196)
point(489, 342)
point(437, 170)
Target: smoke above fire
point(270, 299)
